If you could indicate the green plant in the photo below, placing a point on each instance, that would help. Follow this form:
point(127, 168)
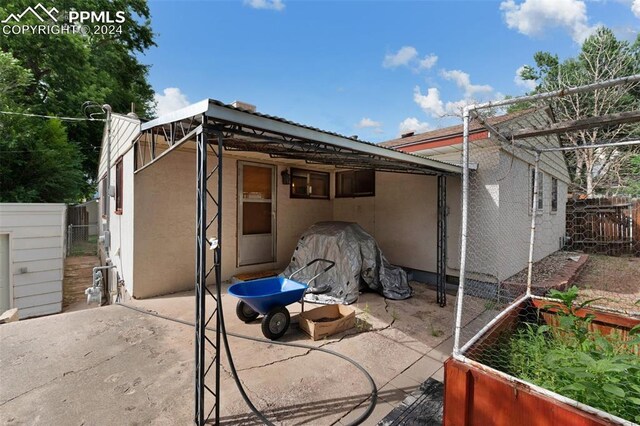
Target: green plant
point(575, 360)
point(362, 323)
point(434, 331)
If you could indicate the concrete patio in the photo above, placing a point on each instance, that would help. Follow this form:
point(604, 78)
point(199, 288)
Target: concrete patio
point(114, 365)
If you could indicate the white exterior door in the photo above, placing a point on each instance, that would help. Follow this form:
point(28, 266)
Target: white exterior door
point(256, 213)
point(5, 273)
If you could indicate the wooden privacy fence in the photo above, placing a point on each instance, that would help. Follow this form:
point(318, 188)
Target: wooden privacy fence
point(604, 225)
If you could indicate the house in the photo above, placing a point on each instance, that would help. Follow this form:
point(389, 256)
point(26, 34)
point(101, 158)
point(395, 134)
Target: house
point(278, 178)
point(501, 191)
point(32, 247)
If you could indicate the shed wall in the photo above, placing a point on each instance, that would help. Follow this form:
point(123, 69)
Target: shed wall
point(37, 244)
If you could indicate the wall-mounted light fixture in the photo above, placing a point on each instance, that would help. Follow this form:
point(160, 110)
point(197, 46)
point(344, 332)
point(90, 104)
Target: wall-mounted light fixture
point(286, 177)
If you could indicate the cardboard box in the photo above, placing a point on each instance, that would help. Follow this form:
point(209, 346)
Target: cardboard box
point(327, 320)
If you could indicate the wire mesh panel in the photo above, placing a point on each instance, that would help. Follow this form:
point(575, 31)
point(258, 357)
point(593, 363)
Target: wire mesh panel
point(82, 240)
point(551, 295)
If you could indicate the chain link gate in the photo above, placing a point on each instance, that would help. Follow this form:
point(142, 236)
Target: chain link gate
point(82, 240)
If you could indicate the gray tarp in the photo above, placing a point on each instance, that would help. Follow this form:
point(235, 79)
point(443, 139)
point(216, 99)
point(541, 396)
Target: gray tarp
point(359, 264)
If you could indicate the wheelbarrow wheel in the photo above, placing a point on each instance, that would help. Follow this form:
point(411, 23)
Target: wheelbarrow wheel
point(245, 312)
point(276, 323)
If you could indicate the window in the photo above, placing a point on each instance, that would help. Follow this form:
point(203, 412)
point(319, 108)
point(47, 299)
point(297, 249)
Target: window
point(309, 184)
point(104, 197)
point(119, 183)
point(554, 194)
point(356, 183)
point(540, 204)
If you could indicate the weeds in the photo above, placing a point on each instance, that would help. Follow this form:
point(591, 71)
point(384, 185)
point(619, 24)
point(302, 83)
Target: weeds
point(600, 370)
point(362, 323)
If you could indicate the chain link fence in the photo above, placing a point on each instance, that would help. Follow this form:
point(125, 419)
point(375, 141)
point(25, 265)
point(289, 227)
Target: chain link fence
point(82, 240)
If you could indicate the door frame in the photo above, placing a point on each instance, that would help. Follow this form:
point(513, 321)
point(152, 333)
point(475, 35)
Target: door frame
point(11, 296)
point(239, 210)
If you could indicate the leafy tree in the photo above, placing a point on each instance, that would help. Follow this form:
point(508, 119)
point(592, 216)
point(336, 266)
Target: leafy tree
point(69, 69)
point(602, 57)
point(37, 162)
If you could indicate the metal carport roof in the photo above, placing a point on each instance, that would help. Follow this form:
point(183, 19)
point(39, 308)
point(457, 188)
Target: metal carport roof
point(277, 137)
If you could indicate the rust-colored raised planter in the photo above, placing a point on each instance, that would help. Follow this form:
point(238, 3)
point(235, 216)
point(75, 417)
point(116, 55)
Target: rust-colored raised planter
point(477, 395)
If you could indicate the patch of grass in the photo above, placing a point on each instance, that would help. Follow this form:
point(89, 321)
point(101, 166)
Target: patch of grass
point(434, 331)
point(87, 247)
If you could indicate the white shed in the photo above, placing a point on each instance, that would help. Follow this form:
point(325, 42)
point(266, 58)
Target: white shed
point(32, 257)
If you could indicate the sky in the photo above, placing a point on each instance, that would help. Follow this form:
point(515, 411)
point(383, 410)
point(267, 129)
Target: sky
point(375, 69)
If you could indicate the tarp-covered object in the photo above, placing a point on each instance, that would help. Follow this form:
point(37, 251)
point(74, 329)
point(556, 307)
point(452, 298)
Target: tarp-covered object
point(359, 263)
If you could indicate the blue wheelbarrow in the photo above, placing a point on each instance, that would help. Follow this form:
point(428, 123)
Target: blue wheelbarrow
point(270, 296)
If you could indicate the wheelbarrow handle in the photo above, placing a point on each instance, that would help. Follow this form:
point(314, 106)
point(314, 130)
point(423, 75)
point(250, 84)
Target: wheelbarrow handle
point(330, 262)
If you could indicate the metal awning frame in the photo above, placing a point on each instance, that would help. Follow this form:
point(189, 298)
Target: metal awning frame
point(217, 128)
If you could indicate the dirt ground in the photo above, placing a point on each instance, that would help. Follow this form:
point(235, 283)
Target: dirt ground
point(78, 271)
point(615, 279)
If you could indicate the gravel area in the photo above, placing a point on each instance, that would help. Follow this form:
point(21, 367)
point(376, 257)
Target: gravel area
point(546, 268)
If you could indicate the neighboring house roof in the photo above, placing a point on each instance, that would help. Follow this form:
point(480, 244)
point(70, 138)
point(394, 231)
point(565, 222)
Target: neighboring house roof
point(449, 135)
point(446, 144)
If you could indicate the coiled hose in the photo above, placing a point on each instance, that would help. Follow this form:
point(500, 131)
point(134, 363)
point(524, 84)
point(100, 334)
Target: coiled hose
point(258, 413)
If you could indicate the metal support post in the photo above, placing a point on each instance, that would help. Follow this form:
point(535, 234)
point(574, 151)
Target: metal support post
point(442, 241)
point(463, 228)
point(207, 368)
point(534, 212)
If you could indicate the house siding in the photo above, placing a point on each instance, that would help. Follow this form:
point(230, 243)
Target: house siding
point(515, 218)
point(37, 244)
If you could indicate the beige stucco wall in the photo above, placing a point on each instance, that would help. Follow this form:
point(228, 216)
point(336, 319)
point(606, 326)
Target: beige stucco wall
point(402, 217)
point(165, 224)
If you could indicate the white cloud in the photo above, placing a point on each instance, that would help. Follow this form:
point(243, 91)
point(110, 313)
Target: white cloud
point(529, 85)
point(463, 81)
point(635, 8)
point(430, 103)
point(412, 124)
point(430, 60)
point(265, 4)
point(402, 57)
point(171, 100)
point(367, 122)
point(533, 17)
point(454, 108)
